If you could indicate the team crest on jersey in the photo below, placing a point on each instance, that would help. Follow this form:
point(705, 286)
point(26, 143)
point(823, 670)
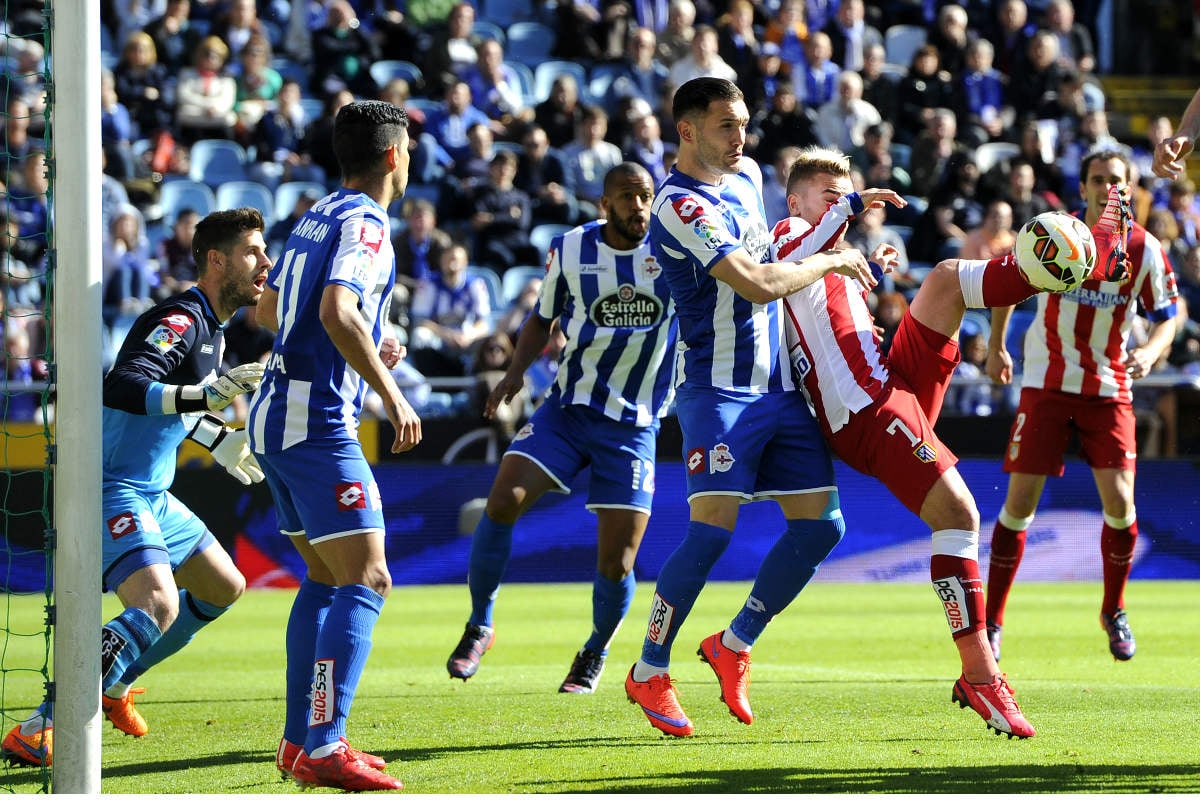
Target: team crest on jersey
point(1014, 450)
point(350, 496)
point(926, 453)
point(687, 209)
point(122, 524)
point(720, 459)
point(525, 432)
point(177, 322)
point(650, 268)
point(695, 460)
point(626, 308)
point(163, 338)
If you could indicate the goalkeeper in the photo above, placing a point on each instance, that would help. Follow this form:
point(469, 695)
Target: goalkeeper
point(171, 574)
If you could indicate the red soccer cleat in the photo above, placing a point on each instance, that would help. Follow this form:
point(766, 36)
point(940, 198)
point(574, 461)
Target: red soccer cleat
point(658, 702)
point(285, 757)
point(341, 770)
point(123, 715)
point(994, 702)
point(1112, 236)
point(733, 673)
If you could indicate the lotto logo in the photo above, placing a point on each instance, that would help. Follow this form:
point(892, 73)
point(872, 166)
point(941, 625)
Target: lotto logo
point(926, 453)
point(687, 209)
point(177, 322)
point(661, 613)
point(695, 460)
point(350, 495)
point(720, 459)
point(323, 697)
point(121, 525)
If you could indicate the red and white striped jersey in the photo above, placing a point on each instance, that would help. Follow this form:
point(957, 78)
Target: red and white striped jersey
point(1077, 340)
point(828, 326)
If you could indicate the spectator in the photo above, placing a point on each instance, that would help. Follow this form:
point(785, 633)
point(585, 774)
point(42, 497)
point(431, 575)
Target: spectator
point(874, 160)
point(1075, 49)
point(469, 173)
point(518, 311)
point(343, 53)
point(20, 371)
point(592, 30)
point(449, 125)
point(702, 60)
point(1034, 85)
point(951, 37)
point(450, 314)
point(176, 264)
point(815, 81)
point(24, 76)
point(889, 310)
point(116, 130)
point(994, 237)
point(20, 283)
point(980, 97)
point(737, 43)
point(954, 209)
point(112, 194)
point(143, 85)
point(128, 274)
point(1010, 35)
point(258, 84)
point(206, 94)
point(1161, 223)
point(246, 341)
point(867, 233)
point(496, 89)
point(174, 36)
point(850, 36)
point(28, 204)
point(675, 41)
point(880, 88)
point(237, 26)
point(589, 158)
point(775, 184)
point(492, 359)
point(420, 245)
point(782, 124)
point(502, 219)
point(978, 399)
point(643, 74)
point(933, 151)
point(789, 31)
point(1181, 203)
point(279, 142)
point(559, 114)
point(843, 121)
point(924, 89)
point(1189, 282)
point(542, 174)
point(760, 92)
point(318, 139)
point(649, 149)
point(278, 233)
point(452, 49)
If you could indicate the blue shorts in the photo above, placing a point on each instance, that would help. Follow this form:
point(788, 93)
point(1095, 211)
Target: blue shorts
point(142, 529)
point(562, 440)
point(323, 490)
point(751, 445)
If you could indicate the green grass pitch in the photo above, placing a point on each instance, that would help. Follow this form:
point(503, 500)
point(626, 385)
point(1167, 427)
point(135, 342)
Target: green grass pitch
point(851, 692)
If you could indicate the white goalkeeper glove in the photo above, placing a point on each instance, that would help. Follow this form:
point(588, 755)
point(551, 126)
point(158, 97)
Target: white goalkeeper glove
point(229, 448)
point(242, 379)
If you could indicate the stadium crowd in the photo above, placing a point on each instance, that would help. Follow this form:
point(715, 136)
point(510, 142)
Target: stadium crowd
point(977, 112)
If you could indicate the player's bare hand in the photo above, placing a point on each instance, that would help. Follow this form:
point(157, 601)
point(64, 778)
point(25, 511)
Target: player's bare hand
point(503, 392)
point(877, 198)
point(391, 352)
point(887, 257)
point(1138, 363)
point(852, 263)
point(999, 367)
point(1169, 155)
point(405, 422)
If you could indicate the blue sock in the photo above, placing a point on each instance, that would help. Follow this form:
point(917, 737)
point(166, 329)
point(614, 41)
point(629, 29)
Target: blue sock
point(491, 545)
point(194, 614)
point(679, 584)
point(610, 601)
point(304, 624)
point(122, 642)
point(785, 571)
point(342, 649)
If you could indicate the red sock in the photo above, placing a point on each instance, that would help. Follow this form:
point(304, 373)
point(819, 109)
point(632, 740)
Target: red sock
point(1116, 547)
point(1003, 283)
point(959, 587)
point(1007, 548)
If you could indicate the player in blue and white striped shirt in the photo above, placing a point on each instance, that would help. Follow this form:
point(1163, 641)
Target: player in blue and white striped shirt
point(326, 299)
point(607, 292)
point(747, 432)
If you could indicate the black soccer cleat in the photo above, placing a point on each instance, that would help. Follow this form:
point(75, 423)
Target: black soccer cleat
point(1120, 637)
point(464, 661)
point(585, 673)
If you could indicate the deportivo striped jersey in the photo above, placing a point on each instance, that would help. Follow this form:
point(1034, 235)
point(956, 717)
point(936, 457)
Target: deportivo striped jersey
point(309, 391)
point(617, 314)
point(728, 342)
point(829, 328)
point(1076, 342)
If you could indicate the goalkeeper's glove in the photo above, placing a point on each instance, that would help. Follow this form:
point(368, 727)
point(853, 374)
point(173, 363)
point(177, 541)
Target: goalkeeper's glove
point(228, 447)
point(242, 379)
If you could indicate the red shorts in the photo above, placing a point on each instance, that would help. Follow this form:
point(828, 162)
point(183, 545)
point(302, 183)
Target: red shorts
point(893, 439)
point(1045, 420)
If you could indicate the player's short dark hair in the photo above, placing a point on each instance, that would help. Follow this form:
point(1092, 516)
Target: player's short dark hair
point(220, 230)
point(694, 96)
point(362, 132)
point(626, 169)
point(1104, 154)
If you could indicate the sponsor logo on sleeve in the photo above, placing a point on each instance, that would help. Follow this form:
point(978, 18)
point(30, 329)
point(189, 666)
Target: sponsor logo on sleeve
point(121, 525)
point(323, 698)
point(708, 233)
point(720, 459)
point(695, 460)
point(177, 322)
point(350, 496)
point(687, 209)
point(661, 613)
point(163, 338)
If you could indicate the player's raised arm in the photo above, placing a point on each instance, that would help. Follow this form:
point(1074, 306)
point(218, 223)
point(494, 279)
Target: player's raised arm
point(762, 283)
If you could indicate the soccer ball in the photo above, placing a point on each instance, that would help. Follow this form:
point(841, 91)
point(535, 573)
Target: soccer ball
point(1055, 251)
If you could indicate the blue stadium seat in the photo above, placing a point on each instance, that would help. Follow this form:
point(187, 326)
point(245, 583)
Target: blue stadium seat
point(545, 73)
point(529, 43)
point(290, 69)
point(236, 194)
point(217, 161)
point(288, 192)
point(514, 279)
point(494, 287)
point(386, 70)
point(176, 195)
point(506, 12)
point(525, 76)
point(541, 235)
point(900, 42)
point(488, 29)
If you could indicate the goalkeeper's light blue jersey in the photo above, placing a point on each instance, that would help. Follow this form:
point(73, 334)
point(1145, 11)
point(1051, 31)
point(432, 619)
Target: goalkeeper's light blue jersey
point(616, 312)
point(309, 392)
point(729, 342)
point(179, 341)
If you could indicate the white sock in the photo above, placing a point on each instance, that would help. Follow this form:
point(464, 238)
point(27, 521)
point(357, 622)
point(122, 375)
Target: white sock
point(327, 750)
point(643, 672)
point(117, 690)
point(734, 643)
point(34, 724)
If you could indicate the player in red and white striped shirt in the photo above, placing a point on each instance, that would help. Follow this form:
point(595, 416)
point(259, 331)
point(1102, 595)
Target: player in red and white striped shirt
point(878, 412)
point(1077, 378)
